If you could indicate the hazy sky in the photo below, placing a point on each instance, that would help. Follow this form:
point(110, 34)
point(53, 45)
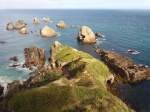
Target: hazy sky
point(75, 4)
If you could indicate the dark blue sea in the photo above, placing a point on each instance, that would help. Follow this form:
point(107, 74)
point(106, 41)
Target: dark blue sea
point(123, 30)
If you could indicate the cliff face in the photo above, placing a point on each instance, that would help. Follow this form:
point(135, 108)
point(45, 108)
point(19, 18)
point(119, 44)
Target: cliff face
point(124, 66)
point(74, 82)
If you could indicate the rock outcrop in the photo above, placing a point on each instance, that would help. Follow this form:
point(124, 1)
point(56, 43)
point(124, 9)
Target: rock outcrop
point(99, 35)
point(19, 24)
point(48, 32)
point(14, 86)
point(23, 31)
point(34, 57)
point(10, 26)
point(46, 20)
point(1, 90)
point(36, 21)
point(61, 24)
point(124, 66)
point(14, 58)
point(86, 35)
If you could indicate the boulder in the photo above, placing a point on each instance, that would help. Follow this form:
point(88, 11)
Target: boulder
point(23, 31)
point(14, 58)
point(36, 21)
point(99, 35)
point(124, 66)
point(86, 35)
point(1, 90)
point(61, 24)
point(48, 32)
point(10, 26)
point(19, 24)
point(46, 20)
point(34, 57)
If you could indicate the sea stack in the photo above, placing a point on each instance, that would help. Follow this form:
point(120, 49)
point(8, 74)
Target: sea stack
point(46, 20)
point(23, 31)
point(61, 24)
point(19, 24)
point(10, 26)
point(36, 21)
point(48, 32)
point(86, 35)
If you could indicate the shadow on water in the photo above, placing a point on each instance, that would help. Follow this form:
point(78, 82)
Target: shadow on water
point(135, 95)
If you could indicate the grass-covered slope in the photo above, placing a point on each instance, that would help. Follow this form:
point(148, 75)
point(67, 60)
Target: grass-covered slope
point(80, 88)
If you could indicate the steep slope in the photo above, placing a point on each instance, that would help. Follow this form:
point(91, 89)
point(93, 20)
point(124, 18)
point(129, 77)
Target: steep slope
point(75, 82)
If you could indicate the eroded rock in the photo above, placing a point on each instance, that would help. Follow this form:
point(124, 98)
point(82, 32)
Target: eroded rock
point(14, 58)
point(61, 24)
point(19, 24)
point(46, 20)
point(36, 21)
point(48, 32)
point(10, 26)
point(23, 31)
point(86, 35)
point(124, 66)
point(34, 57)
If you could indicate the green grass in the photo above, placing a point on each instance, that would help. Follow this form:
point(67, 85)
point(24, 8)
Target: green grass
point(83, 91)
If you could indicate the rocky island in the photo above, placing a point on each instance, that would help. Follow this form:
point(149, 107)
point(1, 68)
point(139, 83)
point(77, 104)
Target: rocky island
point(74, 81)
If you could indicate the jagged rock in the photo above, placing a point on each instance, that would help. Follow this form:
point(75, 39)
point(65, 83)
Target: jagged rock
point(1, 90)
point(14, 86)
point(36, 21)
point(34, 57)
point(46, 20)
point(124, 66)
point(23, 31)
point(14, 58)
point(99, 35)
point(48, 32)
point(19, 24)
point(10, 26)
point(61, 24)
point(86, 35)
point(15, 65)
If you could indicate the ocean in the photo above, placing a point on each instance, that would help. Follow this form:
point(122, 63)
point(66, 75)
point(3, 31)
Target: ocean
point(123, 30)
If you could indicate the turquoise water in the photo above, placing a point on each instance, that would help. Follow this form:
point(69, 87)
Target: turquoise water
point(123, 30)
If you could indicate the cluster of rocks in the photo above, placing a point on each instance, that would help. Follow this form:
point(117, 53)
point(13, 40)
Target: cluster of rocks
point(124, 66)
point(34, 57)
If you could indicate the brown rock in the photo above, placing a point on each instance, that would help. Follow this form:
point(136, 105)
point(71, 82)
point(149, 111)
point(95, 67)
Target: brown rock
point(124, 66)
point(14, 58)
point(48, 32)
point(34, 57)
point(99, 35)
point(14, 86)
point(1, 90)
point(19, 24)
point(36, 21)
point(86, 35)
point(61, 24)
point(10, 26)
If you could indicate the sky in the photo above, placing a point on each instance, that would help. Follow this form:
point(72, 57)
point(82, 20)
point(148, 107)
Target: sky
point(74, 4)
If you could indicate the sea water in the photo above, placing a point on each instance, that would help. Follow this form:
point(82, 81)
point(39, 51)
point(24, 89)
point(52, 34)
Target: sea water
point(123, 30)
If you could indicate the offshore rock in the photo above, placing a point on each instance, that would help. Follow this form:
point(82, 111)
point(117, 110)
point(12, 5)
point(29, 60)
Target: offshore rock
point(48, 32)
point(10, 26)
point(61, 24)
point(23, 31)
point(124, 66)
point(36, 21)
point(19, 24)
point(46, 20)
point(14, 58)
point(99, 35)
point(34, 57)
point(86, 35)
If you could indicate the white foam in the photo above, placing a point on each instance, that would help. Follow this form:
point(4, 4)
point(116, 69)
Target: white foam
point(99, 42)
point(58, 34)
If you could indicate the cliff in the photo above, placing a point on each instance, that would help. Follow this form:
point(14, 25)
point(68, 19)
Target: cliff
point(73, 82)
